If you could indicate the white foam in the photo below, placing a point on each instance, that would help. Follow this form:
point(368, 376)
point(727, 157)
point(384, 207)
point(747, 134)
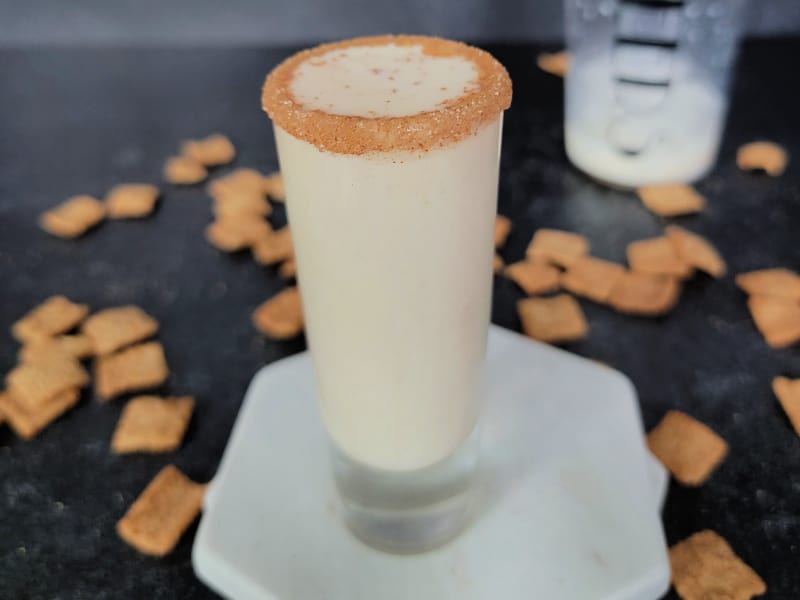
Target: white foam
point(381, 81)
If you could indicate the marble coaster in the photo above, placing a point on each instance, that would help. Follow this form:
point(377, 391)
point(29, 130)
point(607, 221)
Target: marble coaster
point(570, 510)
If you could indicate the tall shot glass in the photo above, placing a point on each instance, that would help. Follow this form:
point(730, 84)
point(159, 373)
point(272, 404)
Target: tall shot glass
point(389, 148)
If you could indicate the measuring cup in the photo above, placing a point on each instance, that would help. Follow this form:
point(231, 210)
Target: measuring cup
point(646, 91)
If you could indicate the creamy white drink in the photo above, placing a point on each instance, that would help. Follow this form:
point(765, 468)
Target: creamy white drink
point(389, 149)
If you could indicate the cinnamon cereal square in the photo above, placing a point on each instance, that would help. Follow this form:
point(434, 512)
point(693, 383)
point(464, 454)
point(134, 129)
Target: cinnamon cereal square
point(157, 519)
point(280, 317)
point(131, 200)
point(704, 567)
point(672, 199)
point(558, 247)
point(212, 151)
point(687, 448)
point(592, 278)
point(135, 368)
point(152, 424)
point(553, 320)
point(55, 315)
point(73, 217)
point(114, 328)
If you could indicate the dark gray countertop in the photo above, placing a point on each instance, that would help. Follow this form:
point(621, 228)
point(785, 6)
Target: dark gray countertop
point(80, 120)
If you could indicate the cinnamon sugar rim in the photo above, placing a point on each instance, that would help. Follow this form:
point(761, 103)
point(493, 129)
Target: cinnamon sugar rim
point(450, 122)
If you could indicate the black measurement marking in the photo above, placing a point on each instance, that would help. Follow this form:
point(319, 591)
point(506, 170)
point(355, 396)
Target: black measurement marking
point(655, 3)
point(631, 41)
point(643, 82)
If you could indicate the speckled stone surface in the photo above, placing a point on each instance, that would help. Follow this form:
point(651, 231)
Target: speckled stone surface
point(78, 121)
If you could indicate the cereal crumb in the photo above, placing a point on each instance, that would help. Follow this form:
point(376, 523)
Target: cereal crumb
point(502, 227)
point(765, 156)
point(555, 63)
point(672, 199)
point(273, 186)
point(288, 269)
point(498, 264)
point(788, 393)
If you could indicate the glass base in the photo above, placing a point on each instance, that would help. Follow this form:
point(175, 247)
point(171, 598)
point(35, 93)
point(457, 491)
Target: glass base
point(613, 171)
point(408, 512)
